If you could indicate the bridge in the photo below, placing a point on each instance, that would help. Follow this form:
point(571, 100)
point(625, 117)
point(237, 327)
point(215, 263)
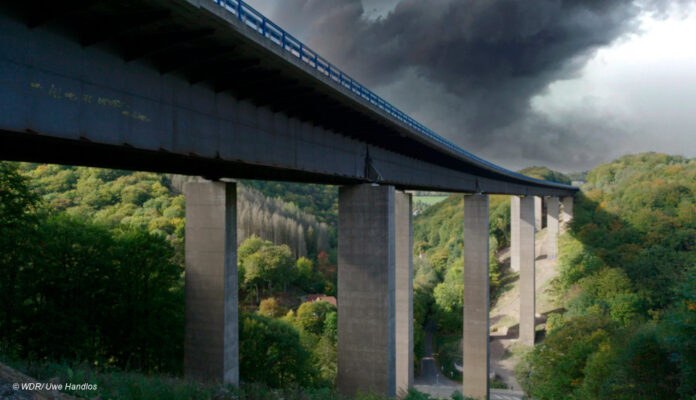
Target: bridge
point(212, 88)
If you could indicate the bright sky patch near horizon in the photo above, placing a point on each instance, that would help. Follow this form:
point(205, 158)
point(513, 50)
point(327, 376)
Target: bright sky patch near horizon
point(645, 82)
point(629, 88)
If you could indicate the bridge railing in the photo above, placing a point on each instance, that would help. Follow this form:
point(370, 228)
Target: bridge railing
point(265, 27)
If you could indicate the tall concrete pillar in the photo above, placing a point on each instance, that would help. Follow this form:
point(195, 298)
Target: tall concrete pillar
point(538, 213)
point(366, 283)
point(211, 344)
point(476, 297)
point(404, 293)
point(567, 203)
point(525, 254)
point(552, 225)
point(514, 233)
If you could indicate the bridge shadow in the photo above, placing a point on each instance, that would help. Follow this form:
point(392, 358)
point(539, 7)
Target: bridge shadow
point(617, 243)
point(513, 331)
point(507, 278)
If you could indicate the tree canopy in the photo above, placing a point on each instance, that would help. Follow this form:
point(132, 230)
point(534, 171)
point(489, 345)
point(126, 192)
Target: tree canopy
point(626, 278)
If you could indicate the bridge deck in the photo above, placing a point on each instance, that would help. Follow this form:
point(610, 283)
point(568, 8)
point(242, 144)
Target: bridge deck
point(212, 69)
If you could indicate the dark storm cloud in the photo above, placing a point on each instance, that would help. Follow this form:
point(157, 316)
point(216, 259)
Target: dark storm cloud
point(487, 58)
point(493, 54)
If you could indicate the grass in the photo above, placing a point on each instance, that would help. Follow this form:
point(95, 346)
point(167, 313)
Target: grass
point(125, 385)
point(118, 384)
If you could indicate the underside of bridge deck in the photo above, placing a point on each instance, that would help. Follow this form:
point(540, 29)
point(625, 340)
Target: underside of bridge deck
point(201, 44)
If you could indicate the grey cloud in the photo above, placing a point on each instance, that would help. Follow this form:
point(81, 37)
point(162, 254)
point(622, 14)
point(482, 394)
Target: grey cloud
point(492, 54)
point(479, 61)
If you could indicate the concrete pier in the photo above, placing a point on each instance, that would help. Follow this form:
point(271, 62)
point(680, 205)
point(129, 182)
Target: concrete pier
point(567, 211)
point(404, 293)
point(366, 286)
point(525, 253)
point(514, 233)
point(538, 212)
point(211, 345)
point(552, 225)
point(476, 297)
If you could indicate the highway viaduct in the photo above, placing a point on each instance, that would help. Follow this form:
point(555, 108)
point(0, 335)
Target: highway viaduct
point(212, 88)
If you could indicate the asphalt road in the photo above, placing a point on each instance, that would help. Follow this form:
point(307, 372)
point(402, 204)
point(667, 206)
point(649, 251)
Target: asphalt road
point(431, 381)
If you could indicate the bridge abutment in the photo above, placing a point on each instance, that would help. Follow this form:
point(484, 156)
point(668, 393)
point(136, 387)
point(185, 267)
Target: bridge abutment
point(366, 290)
point(211, 347)
point(476, 297)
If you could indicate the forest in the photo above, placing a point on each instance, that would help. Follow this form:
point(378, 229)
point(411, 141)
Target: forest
point(92, 267)
point(438, 261)
point(628, 284)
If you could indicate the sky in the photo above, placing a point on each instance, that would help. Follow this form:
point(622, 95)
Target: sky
point(566, 84)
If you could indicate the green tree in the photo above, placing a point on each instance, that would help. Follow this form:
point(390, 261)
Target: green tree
point(272, 265)
point(18, 225)
point(307, 277)
point(331, 326)
point(325, 359)
point(270, 352)
point(271, 308)
point(144, 325)
point(311, 316)
point(251, 245)
point(559, 361)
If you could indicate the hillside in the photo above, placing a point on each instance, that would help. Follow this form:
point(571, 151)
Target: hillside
point(155, 203)
point(75, 241)
point(545, 174)
point(318, 200)
point(628, 284)
point(438, 261)
point(92, 267)
point(437, 232)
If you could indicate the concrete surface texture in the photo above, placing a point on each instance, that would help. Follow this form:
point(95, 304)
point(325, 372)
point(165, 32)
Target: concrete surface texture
point(525, 254)
point(366, 283)
point(404, 292)
point(552, 224)
point(567, 210)
point(211, 351)
point(277, 118)
point(476, 300)
point(514, 233)
point(538, 212)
